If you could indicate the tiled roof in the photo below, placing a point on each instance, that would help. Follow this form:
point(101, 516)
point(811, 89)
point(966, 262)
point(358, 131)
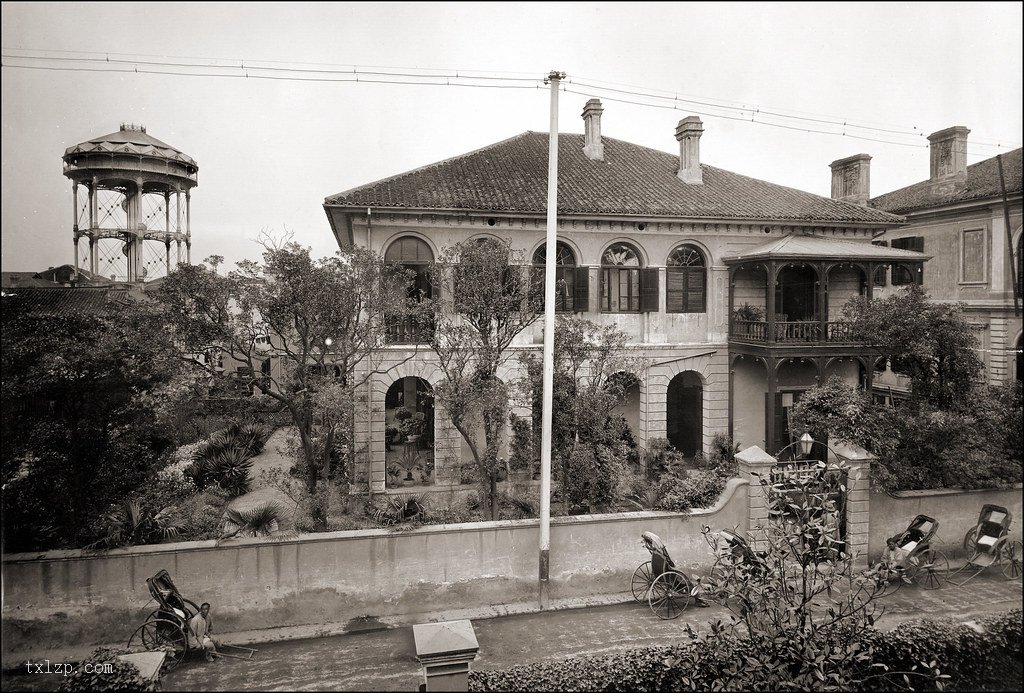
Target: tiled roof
point(632, 180)
point(982, 181)
point(67, 302)
point(803, 246)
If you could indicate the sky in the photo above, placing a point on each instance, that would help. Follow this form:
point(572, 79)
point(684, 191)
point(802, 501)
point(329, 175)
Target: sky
point(272, 145)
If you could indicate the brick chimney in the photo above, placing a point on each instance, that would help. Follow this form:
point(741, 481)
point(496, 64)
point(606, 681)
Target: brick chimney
point(851, 179)
point(592, 145)
point(688, 133)
point(948, 154)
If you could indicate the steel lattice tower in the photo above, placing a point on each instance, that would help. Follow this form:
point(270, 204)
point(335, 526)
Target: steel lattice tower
point(132, 180)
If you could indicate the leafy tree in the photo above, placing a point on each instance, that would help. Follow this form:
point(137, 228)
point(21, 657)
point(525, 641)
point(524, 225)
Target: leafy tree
point(588, 443)
point(929, 342)
point(85, 398)
point(476, 323)
point(975, 445)
point(801, 616)
point(320, 321)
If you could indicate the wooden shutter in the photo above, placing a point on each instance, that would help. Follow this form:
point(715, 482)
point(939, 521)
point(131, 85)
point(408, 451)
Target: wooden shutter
point(695, 293)
point(918, 245)
point(675, 290)
point(581, 290)
point(649, 290)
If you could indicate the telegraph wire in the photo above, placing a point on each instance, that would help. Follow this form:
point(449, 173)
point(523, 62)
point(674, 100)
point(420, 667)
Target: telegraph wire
point(354, 73)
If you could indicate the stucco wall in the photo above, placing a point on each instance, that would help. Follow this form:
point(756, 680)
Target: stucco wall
point(955, 509)
point(66, 598)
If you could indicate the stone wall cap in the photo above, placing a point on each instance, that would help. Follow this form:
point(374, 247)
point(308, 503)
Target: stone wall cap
point(444, 638)
point(755, 455)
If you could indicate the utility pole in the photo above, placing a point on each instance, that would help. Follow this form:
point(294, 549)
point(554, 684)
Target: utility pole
point(551, 251)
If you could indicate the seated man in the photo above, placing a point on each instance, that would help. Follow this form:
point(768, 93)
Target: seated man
point(199, 632)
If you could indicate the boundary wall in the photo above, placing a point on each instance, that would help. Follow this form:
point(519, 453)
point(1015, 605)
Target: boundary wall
point(61, 599)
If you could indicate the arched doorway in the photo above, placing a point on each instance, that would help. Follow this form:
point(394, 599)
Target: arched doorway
point(684, 413)
point(409, 433)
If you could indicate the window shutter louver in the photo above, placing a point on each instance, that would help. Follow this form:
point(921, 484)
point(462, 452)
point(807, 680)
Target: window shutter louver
point(581, 290)
point(695, 293)
point(649, 290)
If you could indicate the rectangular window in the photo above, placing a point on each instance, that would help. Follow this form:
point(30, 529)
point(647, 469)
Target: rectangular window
point(908, 274)
point(620, 289)
point(879, 278)
point(684, 290)
point(565, 287)
point(972, 256)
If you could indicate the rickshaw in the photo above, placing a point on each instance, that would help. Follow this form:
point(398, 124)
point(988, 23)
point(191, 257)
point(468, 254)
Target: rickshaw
point(909, 556)
point(665, 588)
point(988, 543)
point(167, 627)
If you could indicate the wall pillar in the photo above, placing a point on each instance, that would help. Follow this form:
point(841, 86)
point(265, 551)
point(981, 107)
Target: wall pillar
point(858, 498)
point(753, 465)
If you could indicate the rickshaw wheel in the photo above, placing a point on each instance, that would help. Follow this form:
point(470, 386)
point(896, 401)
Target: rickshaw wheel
point(641, 582)
point(931, 570)
point(669, 595)
point(971, 543)
point(1010, 559)
point(160, 634)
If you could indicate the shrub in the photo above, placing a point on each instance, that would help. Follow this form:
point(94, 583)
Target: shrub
point(700, 488)
point(202, 515)
point(124, 676)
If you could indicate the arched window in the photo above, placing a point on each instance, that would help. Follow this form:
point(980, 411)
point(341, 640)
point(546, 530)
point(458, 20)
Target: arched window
point(414, 255)
point(570, 282)
point(686, 281)
point(625, 286)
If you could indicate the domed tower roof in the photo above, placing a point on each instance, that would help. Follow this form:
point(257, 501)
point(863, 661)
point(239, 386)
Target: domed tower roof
point(130, 153)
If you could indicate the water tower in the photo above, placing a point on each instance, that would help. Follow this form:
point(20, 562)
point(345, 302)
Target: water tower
point(132, 204)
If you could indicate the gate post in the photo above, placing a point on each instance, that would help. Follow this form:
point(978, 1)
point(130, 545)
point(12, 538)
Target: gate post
point(858, 498)
point(445, 651)
point(755, 464)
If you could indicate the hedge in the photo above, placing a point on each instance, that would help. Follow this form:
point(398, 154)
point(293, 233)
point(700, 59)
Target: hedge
point(972, 660)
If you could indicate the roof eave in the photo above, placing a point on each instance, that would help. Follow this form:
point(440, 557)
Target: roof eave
point(896, 221)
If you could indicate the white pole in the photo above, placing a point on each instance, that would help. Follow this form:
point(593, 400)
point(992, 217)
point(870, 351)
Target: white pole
point(551, 251)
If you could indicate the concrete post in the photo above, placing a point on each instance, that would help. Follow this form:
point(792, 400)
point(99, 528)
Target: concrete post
point(445, 650)
point(755, 464)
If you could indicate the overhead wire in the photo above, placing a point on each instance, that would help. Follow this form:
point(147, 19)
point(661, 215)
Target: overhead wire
point(430, 77)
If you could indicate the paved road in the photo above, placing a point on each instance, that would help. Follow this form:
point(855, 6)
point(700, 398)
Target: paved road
point(385, 660)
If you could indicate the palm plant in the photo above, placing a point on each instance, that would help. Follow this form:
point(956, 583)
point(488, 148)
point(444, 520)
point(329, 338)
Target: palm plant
point(132, 524)
point(232, 468)
point(263, 520)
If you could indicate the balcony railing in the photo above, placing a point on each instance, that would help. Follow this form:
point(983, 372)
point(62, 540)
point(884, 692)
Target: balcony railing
point(792, 331)
point(409, 329)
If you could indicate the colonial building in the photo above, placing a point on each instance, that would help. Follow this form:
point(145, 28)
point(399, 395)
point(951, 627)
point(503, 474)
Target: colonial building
point(729, 285)
point(969, 219)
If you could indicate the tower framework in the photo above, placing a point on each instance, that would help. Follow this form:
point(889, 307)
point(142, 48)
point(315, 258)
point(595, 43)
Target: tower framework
point(131, 194)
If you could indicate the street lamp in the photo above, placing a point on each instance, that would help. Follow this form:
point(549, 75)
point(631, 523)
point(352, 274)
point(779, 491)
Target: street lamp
point(806, 443)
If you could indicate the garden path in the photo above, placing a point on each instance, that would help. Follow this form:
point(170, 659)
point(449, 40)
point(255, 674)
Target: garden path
point(273, 456)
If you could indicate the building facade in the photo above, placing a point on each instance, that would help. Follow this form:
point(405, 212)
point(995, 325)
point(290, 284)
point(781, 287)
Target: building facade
point(725, 283)
point(969, 219)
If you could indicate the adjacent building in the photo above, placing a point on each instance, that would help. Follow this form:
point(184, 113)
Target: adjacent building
point(729, 285)
point(969, 219)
